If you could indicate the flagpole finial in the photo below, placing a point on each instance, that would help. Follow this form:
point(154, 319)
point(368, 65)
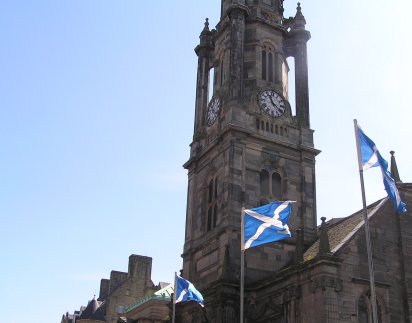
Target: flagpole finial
point(394, 168)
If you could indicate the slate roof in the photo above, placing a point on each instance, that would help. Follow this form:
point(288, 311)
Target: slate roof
point(341, 230)
point(98, 315)
point(92, 311)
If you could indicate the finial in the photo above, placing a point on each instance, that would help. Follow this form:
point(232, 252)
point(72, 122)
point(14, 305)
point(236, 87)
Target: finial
point(299, 21)
point(394, 168)
point(206, 28)
point(205, 35)
point(324, 247)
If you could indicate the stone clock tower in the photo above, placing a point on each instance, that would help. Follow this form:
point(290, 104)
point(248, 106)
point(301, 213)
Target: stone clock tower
point(249, 147)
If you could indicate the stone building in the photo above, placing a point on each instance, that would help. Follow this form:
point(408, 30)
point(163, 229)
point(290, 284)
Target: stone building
point(249, 147)
point(118, 292)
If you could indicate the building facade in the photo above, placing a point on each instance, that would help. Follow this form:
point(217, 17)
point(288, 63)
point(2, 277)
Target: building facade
point(117, 293)
point(250, 147)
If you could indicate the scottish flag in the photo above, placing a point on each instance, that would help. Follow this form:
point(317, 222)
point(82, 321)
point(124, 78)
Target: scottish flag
point(369, 153)
point(185, 291)
point(392, 190)
point(370, 157)
point(266, 223)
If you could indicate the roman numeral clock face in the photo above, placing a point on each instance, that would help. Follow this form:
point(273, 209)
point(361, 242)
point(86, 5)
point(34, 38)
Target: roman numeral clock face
point(213, 111)
point(272, 103)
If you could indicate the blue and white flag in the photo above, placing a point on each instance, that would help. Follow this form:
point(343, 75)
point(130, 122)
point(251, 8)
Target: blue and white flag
point(392, 190)
point(370, 157)
point(185, 291)
point(266, 223)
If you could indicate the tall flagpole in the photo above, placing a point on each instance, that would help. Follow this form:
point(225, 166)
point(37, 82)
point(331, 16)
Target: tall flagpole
point(242, 263)
point(174, 300)
point(367, 231)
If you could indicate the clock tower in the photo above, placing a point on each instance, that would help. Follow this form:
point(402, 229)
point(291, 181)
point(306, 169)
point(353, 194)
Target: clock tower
point(250, 147)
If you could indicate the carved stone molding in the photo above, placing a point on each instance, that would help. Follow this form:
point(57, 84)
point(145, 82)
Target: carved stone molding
point(324, 283)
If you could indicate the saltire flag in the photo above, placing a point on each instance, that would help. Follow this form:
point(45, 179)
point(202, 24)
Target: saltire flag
point(266, 223)
point(370, 157)
point(185, 291)
point(369, 152)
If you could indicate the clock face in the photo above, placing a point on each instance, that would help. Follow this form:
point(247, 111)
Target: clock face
point(213, 111)
point(272, 103)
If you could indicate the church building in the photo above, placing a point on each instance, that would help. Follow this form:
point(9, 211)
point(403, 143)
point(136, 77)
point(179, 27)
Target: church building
point(251, 147)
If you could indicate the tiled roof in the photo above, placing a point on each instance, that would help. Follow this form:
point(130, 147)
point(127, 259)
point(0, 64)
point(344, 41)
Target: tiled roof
point(98, 315)
point(90, 310)
point(342, 230)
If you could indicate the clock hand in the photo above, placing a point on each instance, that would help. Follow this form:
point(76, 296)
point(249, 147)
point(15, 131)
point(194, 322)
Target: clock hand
point(271, 100)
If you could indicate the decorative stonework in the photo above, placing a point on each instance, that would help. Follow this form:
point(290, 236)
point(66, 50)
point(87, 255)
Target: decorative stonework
point(270, 17)
point(324, 283)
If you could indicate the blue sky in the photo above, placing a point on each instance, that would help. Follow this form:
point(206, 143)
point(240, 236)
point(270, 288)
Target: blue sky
point(96, 118)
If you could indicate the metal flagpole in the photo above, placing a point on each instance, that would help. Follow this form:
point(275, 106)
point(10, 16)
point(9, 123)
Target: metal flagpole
point(242, 263)
point(174, 300)
point(367, 231)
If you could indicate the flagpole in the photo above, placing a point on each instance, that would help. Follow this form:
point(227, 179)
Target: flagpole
point(367, 231)
point(242, 263)
point(174, 300)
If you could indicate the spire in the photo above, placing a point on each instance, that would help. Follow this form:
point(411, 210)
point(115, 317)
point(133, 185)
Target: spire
point(299, 21)
point(394, 168)
point(324, 246)
point(206, 29)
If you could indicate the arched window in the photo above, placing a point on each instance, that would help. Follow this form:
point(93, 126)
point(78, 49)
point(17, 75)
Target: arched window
point(270, 67)
point(362, 311)
point(264, 183)
point(270, 71)
point(270, 185)
point(263, 64)
point(365, 310)
point(276, 185)
point(212, 209)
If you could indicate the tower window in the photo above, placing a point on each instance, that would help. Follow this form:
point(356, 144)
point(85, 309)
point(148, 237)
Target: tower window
point(212, 208)
point(276, 185)
point(270, 185)
point(264, 182)
point(269, 65)
point(264, 64)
